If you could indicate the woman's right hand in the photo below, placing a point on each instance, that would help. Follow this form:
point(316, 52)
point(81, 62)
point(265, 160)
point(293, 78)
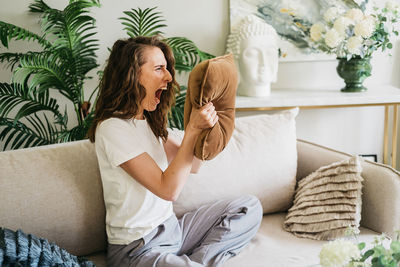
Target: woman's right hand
point(203, 118)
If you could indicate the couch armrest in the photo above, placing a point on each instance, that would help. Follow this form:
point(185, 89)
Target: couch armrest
point(381, 186)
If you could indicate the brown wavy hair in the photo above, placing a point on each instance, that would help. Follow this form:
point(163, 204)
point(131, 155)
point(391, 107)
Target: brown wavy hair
point(121, 93)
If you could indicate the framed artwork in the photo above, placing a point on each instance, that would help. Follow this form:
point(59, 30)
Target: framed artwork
point(292, 20)
point(371, 157)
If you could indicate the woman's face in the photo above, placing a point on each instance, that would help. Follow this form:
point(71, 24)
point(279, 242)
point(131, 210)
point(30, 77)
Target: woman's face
point(154, 77)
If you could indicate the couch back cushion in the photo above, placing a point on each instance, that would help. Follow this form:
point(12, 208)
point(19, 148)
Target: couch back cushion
point(260, 159)
point(54, 192)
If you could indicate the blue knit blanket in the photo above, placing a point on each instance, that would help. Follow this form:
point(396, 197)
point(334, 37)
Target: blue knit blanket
point(20, 249)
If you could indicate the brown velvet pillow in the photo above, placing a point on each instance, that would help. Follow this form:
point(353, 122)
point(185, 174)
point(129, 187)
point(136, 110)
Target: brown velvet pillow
point(214, 80)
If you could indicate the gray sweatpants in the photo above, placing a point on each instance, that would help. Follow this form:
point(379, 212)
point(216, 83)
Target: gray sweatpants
point(207, 236)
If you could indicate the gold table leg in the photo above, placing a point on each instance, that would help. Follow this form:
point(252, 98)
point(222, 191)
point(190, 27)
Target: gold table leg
point(385, 136)
point(394, 137)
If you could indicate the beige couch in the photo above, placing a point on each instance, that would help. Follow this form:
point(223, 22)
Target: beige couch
point(55, 192)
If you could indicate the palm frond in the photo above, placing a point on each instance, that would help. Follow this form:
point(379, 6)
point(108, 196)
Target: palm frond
point(38, 6)
point(78, 132)
point(45, 72)
point(187, 54)
point(176, 115)
point(9, 31)
point(15, 97)
point(36, 132)
point(145, 22)
point(12, 59)
point(74, 46)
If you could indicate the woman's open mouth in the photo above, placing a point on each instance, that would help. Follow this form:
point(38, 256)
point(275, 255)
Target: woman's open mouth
point(158, 95)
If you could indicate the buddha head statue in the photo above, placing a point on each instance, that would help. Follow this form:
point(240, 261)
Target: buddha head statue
point(254, 46)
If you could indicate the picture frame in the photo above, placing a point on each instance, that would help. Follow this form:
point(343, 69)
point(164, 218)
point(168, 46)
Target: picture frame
point(370, 157)
point(292, 20)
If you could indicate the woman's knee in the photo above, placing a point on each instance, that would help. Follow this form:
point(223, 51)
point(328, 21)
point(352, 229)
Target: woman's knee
point(251, 206)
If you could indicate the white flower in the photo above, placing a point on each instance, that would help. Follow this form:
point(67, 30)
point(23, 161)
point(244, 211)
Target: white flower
point(364, 28)
point(370, 18)
point(331, 14)
point(338, 253)
point(354, 14)
point(341, 24)
point(354, 45)
point(352, 32)
point(392, 5)
point(332, 38)
point(316, 31)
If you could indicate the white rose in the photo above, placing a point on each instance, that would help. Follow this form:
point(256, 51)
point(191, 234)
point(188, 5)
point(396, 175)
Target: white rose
point(354, 14)
point(316, 31)
point(331, 14)
point(354, 45)
point(364, 28)
point(338, 253)
point(332, 38)
point(370, 18)
point(341, 24)
point(392, 5)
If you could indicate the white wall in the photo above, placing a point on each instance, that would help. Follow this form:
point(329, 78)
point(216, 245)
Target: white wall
point(206, 22)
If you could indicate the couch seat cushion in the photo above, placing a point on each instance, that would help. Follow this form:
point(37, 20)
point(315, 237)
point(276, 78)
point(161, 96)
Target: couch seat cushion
point(273, 246)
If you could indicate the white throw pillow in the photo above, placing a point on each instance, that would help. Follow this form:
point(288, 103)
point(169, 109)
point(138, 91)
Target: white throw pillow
point(260, 159)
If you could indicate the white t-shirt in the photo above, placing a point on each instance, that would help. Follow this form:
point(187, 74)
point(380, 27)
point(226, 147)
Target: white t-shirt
point(132, 210)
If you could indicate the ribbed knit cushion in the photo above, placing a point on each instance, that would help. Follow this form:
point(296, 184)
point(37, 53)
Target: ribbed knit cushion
point(213, 80)
point(327, 201)
point(20, 249)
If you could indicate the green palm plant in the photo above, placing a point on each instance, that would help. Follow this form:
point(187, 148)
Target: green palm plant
point(149, 22)
point(29, 115)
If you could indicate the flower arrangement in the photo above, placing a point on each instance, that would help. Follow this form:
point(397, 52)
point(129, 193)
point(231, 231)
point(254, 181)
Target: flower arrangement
point(355, 33)
point(383, 252)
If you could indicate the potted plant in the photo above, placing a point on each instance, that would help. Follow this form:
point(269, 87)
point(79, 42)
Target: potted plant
point(353, 36)
point(67, 56)
point(382, 252)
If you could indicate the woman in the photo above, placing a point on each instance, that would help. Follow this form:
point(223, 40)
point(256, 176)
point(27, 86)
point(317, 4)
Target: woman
point(143, 170)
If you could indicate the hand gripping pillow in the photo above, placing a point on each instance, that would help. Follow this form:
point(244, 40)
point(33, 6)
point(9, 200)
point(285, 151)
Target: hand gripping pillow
point(214, 80)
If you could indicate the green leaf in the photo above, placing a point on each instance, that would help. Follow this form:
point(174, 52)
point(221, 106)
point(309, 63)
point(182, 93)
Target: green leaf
point(367, 254)
point(361, 245)
point(9, 31)
point(187, 54)
point(14, 97)
point(145, 22)
point(395, 246)
point(176, 116)
point(20, 135)
point(78, 132)
point(396, 256)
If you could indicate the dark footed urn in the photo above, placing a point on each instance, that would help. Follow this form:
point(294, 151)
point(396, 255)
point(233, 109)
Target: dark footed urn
point(354, 72)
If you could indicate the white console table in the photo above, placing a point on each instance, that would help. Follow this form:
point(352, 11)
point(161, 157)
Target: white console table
point(385, 95)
